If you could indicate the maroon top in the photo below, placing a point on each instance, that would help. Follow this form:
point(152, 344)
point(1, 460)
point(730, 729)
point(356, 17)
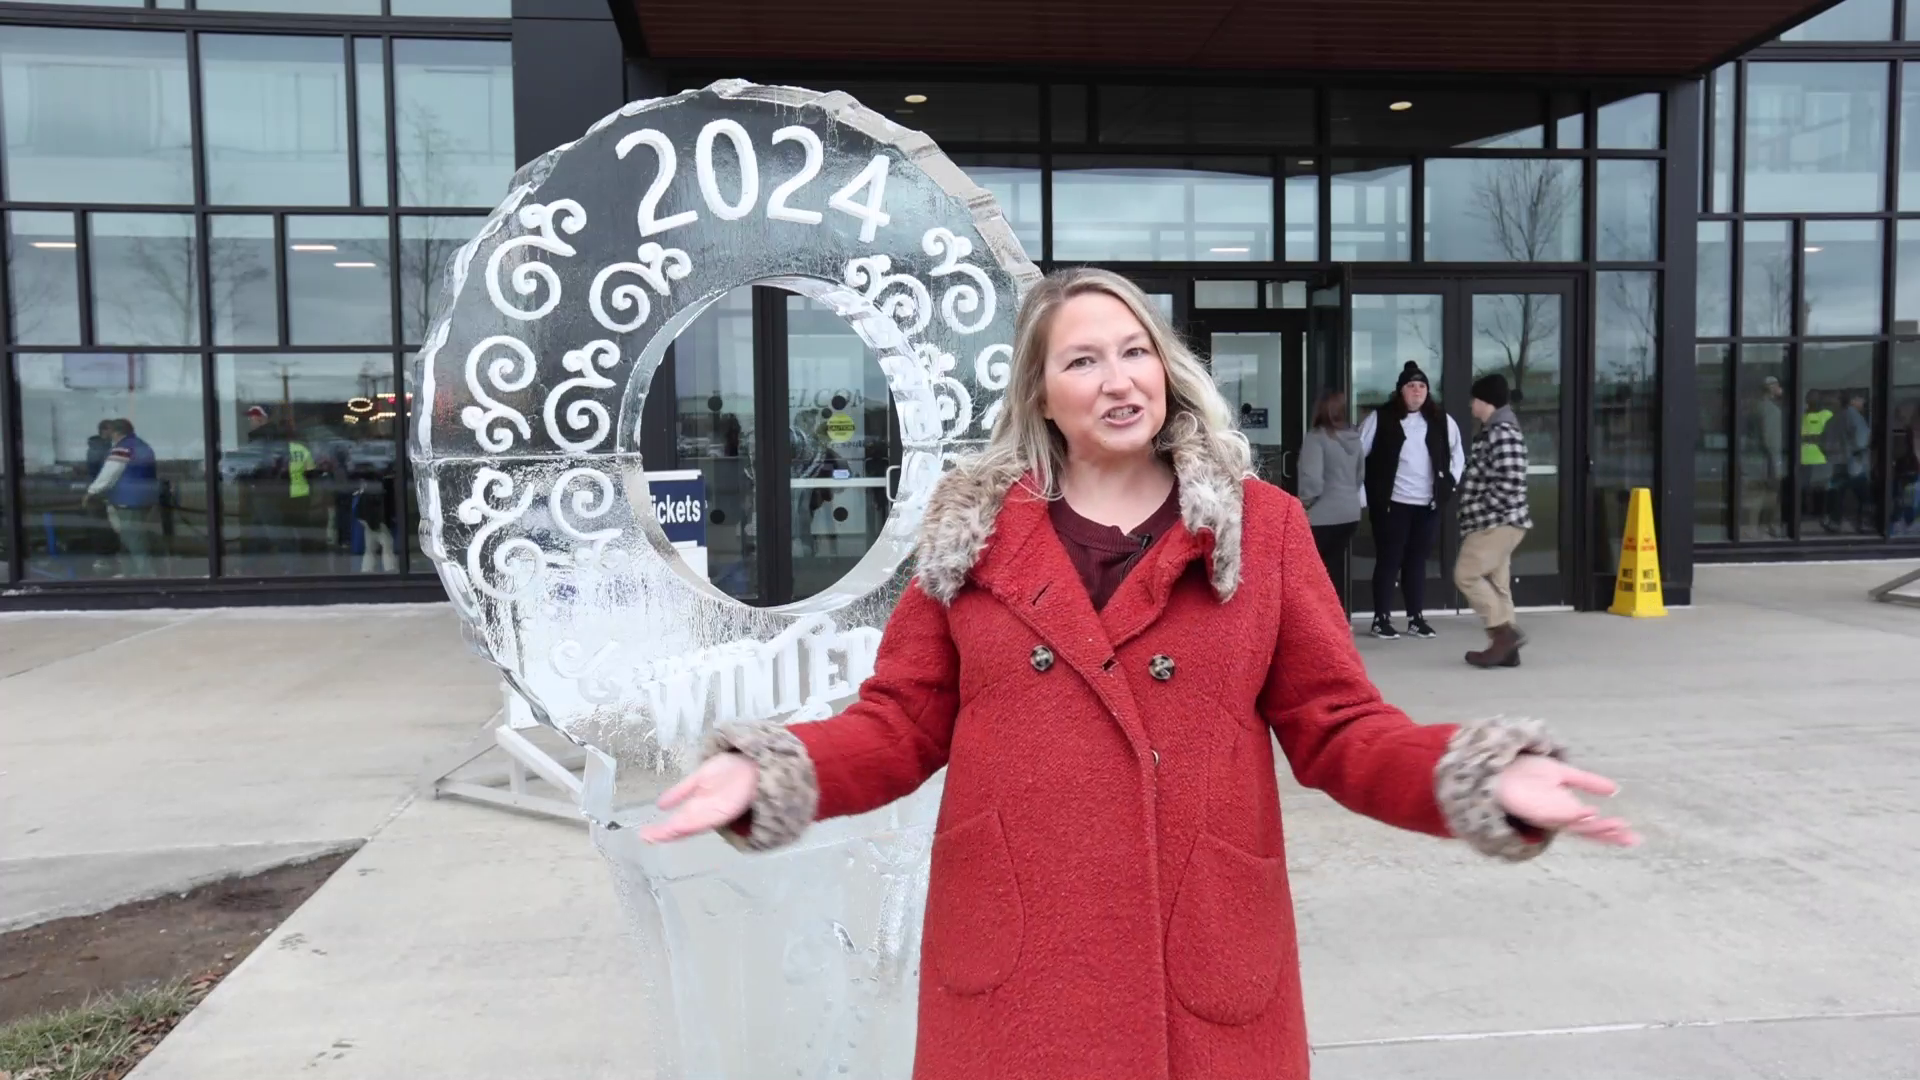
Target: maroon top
point(1104, 554)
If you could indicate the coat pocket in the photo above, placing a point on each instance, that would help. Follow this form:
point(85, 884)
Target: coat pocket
point(1228, 942)
point(974, 926)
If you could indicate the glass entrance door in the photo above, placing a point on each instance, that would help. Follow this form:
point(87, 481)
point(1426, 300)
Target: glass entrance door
point(1458, 330)
point(1258, 359)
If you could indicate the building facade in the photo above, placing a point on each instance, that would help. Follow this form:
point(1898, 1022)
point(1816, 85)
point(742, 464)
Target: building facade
point(223, 219)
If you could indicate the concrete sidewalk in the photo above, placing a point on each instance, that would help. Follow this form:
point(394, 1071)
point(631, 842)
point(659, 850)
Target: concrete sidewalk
point(147, 752)
point(1767, 742)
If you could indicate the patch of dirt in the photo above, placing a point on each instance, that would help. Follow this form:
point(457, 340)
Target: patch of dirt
point(198, 936)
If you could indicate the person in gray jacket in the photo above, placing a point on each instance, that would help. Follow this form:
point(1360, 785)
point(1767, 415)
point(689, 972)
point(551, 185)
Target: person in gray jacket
point(1331, 460)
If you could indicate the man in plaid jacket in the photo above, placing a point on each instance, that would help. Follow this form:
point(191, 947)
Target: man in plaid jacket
point(1493, 521)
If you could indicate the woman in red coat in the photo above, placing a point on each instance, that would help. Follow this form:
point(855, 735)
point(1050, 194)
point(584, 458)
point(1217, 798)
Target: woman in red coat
point(1110, 617)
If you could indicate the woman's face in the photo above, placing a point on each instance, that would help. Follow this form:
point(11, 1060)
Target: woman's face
point(1106, 388)
point(1414, 394)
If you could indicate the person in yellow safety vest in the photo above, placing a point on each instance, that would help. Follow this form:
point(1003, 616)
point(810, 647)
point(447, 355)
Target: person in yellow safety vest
point(1815, 472)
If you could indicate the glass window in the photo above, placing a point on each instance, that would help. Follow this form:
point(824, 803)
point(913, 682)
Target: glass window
point(1372, 211)
point(96, 116)
point(1762, 441)
point(1713, 311)
point(1247, 367)
point(1839, 457)
point(1712, 484)
point(339, 281)
point(1427, 117)
point(308, 468)
point(275, 120)
point(1015, 183)
point(952, 112)
point(1840, 292)
point(113, 466)
point(1853, 20)
point(1569, 120)
point(1226, 294)
point(370, 103)
point(1518, 335)
point(468, 9)
point(1630, 124)
point(145, 289)
point(1626, 398)
point(1816, 136)
point(427, 247)
point(1503, 210)
point(1766, 279)
point(1629, 210)
point(1070, 114)
point(1160, 209)
point(453, 110)
point(1903, 448)
point(318, 7)
point(1723, 123)
point(1286, 294)
point(1206, 116)
point(43, 278)
point(1910, 136)
point(246, 301)
point(1906, 293)
point(714, 432)
point(1302, 195)
point(1388, 331)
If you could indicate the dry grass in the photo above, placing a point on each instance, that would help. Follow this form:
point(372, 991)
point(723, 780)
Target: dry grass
point(101, 1040)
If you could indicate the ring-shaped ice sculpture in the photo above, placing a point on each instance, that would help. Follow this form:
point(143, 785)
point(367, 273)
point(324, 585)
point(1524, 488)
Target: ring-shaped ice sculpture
point(547, 329)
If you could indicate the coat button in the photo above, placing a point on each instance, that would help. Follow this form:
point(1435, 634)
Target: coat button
point(1042, 658)
point(1156, 758)
point(1161, 667)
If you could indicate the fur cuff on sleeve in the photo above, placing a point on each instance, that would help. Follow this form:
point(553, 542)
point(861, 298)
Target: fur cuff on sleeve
point(1463, 783)
point(788, 793)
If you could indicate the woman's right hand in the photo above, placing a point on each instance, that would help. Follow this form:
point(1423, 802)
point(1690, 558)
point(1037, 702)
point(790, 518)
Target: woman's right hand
point(711, 796)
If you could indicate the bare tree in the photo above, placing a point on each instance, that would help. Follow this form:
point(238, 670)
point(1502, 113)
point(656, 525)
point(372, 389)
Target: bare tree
point(1526, 206)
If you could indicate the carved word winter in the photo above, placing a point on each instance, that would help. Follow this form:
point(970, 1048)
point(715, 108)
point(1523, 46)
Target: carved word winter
point(811, 663)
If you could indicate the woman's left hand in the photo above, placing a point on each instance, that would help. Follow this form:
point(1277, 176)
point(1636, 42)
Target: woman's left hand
point(1539, 790)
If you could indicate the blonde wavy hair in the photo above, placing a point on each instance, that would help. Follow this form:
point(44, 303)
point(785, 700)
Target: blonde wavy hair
point(1198, 419)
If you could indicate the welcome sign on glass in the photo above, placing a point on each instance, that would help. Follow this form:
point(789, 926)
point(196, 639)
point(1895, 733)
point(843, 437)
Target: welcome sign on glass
point(539, 516)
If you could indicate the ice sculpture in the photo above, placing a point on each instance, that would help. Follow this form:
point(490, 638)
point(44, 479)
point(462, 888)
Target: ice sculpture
point(548, 327)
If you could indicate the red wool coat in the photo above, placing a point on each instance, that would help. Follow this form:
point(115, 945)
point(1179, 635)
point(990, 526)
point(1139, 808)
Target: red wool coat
point(1109, 891)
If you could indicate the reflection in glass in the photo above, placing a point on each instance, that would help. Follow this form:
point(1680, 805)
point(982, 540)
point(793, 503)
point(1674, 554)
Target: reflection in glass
point(1435, 117)
point(1852, 20)
point(318, 7)
point(1217, 295)
point(73, 133)
point(1712, 482)
point(1906, 279)
point(951, 112)
point(309, 478)
point(43, 279)
point(246, 308)
point(1910, 134)
point(339, 273)
point(1246, 368)
point(1388, 331)
point(1014, 180)
point(1629, 210)
point(839, 430)
point(1763, 413)
point(112, 480)
point(1518, 335)
point(1161, 209)
point(1841, 290)
point(1713, 311)
point(1816, 136)
point(1569, 120)
point(466, 9)
point(1839, 460)
point(1503, 210)
point(274, 122)
point(1723, 124)
point(453, 111)
point(427, 247)
point(1766, 278)
point(144, 280)
point(1903, 447)
point(1626, 399)
point(370, 103)
point(1302, 196)
point(714, 432)
point(1630, 124)
point(1372, 211)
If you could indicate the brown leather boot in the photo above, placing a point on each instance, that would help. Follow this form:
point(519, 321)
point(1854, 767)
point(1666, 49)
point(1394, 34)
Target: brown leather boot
point(1503, 648)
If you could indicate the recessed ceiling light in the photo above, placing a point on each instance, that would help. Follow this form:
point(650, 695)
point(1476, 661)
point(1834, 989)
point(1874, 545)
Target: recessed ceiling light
point(1811, 250)
point(316, 247)
point(1401, 106)
point(1308, 162)
point(55, 245)
point(1229, 250)
point(916, 99)
point(355, 265)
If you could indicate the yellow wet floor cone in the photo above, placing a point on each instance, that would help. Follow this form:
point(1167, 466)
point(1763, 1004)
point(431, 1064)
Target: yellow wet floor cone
point(1636, 592)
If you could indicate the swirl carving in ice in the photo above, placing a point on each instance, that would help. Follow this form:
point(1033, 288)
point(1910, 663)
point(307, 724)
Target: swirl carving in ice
point(658, 267)
point(909, 304)
point(500, 374)
point(551, 219)
point(593, 501)
point(976, 294)
point(517, 562)
point(583, 414)
point(993, 370)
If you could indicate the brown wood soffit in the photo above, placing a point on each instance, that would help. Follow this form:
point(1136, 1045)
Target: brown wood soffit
point(1571, 37)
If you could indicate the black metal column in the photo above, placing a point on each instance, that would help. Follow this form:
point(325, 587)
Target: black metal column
point(1679, 386)
point(569, 70)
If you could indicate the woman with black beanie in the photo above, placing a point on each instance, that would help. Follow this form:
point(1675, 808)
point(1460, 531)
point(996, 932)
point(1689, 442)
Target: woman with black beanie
point(1414, 459)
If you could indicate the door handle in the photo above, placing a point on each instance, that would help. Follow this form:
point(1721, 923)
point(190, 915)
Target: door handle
point(1286, 464)
point(893, 482)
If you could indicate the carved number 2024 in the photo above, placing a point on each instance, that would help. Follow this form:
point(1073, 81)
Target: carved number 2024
point(873, 179)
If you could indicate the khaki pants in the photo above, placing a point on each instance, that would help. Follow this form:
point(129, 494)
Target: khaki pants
point(1484, 572)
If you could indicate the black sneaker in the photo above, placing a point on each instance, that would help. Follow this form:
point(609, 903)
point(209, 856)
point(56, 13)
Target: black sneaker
point(1383, 628)
point(1417, 626)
